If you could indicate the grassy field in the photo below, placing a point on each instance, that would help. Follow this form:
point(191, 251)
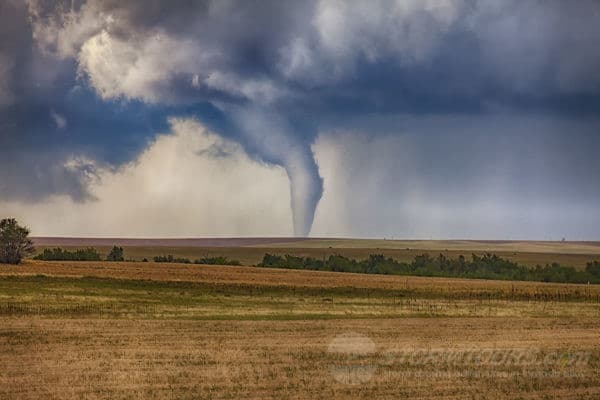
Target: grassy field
point(161, 331)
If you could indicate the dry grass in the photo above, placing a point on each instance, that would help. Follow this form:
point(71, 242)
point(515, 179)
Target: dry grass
point(123, 359)
point(281, 277)
point(162, 331)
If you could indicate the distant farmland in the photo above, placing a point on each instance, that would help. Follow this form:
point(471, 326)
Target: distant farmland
point(251, 250)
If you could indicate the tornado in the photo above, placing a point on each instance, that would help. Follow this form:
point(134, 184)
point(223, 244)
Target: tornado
point(269, 137)
point(306, 188)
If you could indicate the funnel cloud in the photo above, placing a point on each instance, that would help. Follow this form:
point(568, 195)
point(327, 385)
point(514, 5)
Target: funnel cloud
point(272, 138)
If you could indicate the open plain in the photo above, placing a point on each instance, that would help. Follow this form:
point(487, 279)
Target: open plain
point(101, 330)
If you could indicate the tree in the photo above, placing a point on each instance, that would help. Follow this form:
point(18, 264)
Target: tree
point(116, 254)
point(14, 242)
point(593, 268)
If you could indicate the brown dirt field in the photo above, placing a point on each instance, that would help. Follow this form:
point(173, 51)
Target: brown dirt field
point(124, 359)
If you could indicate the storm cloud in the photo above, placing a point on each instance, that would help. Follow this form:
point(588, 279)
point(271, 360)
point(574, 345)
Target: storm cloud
point(85, 87)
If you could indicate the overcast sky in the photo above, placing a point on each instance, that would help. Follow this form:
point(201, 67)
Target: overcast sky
point(407, 119)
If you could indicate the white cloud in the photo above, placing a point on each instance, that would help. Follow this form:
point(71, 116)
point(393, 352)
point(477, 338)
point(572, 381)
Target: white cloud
point(259, 90)
point(59, 120)
point(144, 67)
point(186, 183)
point(140, 67)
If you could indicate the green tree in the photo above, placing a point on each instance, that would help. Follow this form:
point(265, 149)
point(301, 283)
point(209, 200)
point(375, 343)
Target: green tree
point(14, 242)
point(593, 268)
point(116, 254)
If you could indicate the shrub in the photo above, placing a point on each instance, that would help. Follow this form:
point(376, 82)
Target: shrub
point(170, 259)
point(116, 254)
point(205, 260)
point(216, 261)
point(593, 268)
point(58, 254)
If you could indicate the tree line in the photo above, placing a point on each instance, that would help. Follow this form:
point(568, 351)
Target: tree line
point(15, 244)
point(87, 254)
point(487, 266)
point(117, 254)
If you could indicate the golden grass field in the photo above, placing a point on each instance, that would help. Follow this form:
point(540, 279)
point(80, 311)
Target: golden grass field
point(186, 359)
point(100, 330)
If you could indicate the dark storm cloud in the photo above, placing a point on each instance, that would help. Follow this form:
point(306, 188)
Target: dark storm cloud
point(272, 74)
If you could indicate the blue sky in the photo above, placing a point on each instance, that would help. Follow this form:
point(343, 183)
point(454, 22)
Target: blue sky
point(498, 102)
